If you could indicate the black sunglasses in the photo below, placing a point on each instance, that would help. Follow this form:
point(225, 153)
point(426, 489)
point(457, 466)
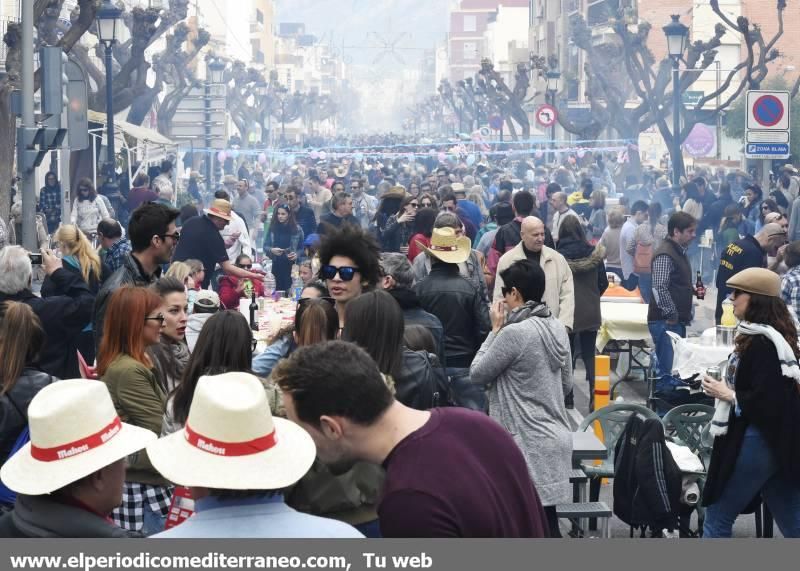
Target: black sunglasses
point(176, 236)
point(245, 266)
point(160, 318)
point(413, 205)
point(347, 273)
point(736, 293)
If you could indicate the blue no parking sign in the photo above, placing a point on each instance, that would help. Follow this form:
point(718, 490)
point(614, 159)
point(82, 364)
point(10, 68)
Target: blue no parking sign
point(768, 110)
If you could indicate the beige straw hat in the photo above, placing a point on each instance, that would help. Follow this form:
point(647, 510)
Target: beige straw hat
point(75, 431)
point(232, 442)
point(446, 246)
point(220, 208)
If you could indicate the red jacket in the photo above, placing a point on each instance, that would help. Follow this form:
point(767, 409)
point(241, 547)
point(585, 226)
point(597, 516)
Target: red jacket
point(229, 297)
point(413, 249)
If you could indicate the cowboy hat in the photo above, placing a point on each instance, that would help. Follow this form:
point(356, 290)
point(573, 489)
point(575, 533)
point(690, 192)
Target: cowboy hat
point(220, 208)
point(789, 168)
point(447, 247)
point(232, 442)
point(395, 192)
point(75, 431)
point(340, 171)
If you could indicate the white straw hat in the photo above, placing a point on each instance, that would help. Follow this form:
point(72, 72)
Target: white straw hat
point(448, 247)
point(231, 441)
point(75, 431)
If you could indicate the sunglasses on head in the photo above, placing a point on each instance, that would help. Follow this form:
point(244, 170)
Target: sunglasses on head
point(347, 273)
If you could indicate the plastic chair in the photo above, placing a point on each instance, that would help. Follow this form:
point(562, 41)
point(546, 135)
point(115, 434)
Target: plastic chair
point(686, 424)
point(612, 419)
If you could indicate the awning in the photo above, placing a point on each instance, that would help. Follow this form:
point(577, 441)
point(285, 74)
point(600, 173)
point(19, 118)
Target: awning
point(141, 134)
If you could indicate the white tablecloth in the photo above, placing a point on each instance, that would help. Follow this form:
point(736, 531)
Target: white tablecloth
point(622, 322)
point(692, 357)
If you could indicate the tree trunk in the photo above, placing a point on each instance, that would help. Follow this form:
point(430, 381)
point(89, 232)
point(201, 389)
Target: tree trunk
point(7, 145)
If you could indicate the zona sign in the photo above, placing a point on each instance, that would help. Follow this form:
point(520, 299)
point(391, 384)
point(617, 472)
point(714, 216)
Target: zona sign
point(768, 110)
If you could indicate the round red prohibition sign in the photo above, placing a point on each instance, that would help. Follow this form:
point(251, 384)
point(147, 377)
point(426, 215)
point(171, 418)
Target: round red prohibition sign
point(768, 110)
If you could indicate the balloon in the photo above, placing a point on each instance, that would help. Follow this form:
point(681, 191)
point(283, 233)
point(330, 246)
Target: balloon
point(314, 155)
point(470, 160)
point(323, 155)
point(235, 153)
point(442, 157)
point(221, 156)
point(262, 158)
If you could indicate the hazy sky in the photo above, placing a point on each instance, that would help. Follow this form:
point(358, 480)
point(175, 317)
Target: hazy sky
point(368, 27)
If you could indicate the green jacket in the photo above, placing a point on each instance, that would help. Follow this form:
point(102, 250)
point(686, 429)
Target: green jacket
point(139, 401)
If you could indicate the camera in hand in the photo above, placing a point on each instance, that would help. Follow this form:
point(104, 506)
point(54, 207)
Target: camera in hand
point(36, 259)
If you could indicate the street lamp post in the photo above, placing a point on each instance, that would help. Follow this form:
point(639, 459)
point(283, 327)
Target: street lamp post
point(109, 26)
point(214, 76)
point(553, 87)
point(677, 35)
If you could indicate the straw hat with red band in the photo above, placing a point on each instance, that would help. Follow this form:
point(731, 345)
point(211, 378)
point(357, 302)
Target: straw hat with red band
point(220, 208)
point(232, 442)
point(75, 431)
point(448, 247)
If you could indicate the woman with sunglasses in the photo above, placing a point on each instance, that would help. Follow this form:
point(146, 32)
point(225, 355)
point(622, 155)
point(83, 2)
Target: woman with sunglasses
point(233, 289)
point(88, 209)
point(767, 206)
point(171, 354)
point(427, 200)
point(282, 245)
point(756, 424)
point(400, 226)
point(134, 320)
point(525, 361)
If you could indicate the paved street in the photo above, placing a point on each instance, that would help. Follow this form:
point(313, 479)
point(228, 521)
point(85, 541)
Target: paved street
point(636, 391)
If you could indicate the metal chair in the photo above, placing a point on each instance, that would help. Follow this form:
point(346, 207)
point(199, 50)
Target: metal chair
point(612, 419)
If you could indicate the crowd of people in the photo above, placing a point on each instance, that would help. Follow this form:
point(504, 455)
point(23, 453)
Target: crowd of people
point(423, 386)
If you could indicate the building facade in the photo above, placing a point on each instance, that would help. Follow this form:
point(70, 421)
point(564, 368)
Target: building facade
point(467, 41)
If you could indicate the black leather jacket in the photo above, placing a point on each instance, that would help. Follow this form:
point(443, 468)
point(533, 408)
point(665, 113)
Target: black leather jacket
point(458, 305)
point(130, 273)
point(14, 406)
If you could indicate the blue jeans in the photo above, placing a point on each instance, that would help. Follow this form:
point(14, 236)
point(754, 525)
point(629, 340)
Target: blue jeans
point(646, 286)
point(756, 471)
point(153, 521)
point(664, 353)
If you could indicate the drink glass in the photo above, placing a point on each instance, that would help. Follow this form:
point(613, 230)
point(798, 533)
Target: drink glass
point(278, 294)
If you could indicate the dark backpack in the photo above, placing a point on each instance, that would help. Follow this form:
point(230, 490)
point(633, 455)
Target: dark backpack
point(647, 481)
point(422, 383)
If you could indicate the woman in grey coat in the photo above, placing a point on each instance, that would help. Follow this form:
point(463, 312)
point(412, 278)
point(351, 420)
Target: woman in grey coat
point(526, 363)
